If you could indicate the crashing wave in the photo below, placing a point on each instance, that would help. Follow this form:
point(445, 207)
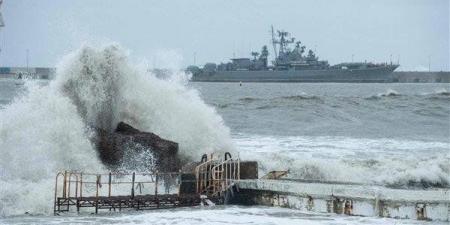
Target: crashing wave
point(47, 128)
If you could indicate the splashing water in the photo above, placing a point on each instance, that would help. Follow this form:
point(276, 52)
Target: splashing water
point(48, 128)
point(393, 163)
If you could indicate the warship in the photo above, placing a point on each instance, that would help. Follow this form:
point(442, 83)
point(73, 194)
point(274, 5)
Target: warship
point(292, 64)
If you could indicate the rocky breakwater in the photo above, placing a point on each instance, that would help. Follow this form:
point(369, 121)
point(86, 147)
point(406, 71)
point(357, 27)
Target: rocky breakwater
point(129, 148)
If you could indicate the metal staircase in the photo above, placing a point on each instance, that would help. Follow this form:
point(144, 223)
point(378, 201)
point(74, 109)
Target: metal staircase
point(215, 175)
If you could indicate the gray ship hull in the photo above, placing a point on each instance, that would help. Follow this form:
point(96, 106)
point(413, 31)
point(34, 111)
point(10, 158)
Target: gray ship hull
point(370, 75)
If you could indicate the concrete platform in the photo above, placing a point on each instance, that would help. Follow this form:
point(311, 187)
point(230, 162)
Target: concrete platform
point(351, 199)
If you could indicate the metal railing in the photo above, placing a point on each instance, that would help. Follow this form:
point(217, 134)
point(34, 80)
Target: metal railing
point(215, 175)
point(72, 186)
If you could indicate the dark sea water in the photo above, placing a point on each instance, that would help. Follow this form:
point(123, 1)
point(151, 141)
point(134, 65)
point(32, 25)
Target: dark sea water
point(401, 111)
point(390, 134)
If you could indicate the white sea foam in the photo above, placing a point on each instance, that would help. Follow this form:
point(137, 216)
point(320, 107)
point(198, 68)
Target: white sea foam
point(399, 163)
point(40, 134)
point(389, 93)
point(443, 91)
point(219, 215)
point(107, 89)
point(48, 128)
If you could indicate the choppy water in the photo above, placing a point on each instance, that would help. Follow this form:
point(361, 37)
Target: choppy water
point(220, 215)
point(390, 134)
point(403, 111)
point(386, 134)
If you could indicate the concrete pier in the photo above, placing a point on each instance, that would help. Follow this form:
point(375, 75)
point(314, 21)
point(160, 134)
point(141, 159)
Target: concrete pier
point(421, 77)
point(350, 199)
point(27, 72)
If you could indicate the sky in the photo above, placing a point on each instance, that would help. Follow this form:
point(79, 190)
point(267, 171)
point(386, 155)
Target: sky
point(179, 32)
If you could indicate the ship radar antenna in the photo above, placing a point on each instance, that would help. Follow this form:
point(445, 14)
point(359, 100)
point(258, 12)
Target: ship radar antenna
point(255, 54)
point(284, 41)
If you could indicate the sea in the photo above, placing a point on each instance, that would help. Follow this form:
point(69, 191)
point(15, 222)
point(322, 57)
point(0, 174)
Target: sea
point(394, 134)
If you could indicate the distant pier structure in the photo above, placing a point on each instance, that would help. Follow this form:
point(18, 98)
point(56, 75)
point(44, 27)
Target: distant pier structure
point(27, 72)
point(421, 77)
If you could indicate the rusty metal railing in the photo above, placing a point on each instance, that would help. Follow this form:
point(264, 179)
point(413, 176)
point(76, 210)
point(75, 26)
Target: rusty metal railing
point(215, 175)
point(71, 186)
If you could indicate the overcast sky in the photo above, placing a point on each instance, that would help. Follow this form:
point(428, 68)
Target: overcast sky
point(415, 30)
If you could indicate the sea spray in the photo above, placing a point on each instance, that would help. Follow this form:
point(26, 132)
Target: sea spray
point(40, 134)
point(107, 89)
point(49, 128)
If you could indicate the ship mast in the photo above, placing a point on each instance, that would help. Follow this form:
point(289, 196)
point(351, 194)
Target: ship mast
point(274, 43)
point(284, 41)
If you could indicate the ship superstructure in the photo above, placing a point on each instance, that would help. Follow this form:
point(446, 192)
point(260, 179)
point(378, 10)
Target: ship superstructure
point(292, 63)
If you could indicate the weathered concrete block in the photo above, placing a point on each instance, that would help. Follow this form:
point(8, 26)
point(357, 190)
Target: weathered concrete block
point(188, 184)
point(249, 170)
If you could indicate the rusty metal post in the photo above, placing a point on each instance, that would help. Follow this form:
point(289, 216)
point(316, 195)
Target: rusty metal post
point(97, 184)
point(81, 185)
point(197, 178)
point(76, 186)
point(213, 178)
point(156, 189)
point(96, 193)
point(109, 185)
point(70, 181)
point(226, 174)
point(208, 175)
point(239, 169)
point(56, 193)
point(204, 174)
point(132, 185)
point(64, 184)
point(156, 184)
point(180, 180)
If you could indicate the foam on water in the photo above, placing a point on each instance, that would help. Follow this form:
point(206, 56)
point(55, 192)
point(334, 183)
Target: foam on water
point(219, 215)
point(396, 163)
point(48, 128)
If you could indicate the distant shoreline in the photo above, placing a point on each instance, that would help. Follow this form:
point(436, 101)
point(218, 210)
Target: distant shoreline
point(398, 76)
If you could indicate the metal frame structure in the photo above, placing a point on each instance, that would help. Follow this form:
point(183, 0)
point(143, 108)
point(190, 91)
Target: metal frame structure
point(83, 190)
point(217, 175)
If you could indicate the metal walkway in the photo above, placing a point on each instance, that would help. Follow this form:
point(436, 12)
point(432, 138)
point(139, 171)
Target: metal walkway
point(213, 178)
point(117, 191)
